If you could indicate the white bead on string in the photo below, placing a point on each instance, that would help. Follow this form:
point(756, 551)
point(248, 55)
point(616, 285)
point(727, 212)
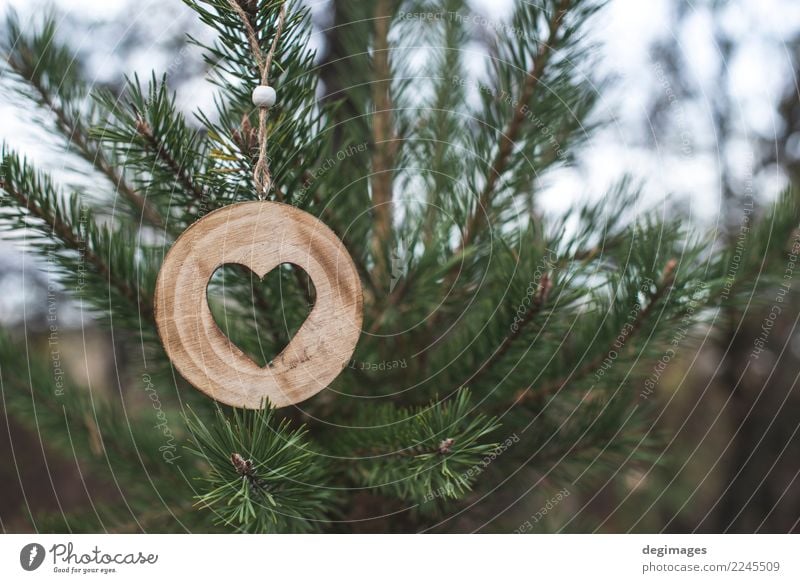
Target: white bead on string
point(264, 96)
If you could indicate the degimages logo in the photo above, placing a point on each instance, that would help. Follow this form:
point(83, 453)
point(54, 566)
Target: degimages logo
point(31, 556)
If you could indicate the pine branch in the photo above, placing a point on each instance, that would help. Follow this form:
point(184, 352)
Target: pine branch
point(262, 476)
point(414, 453)
point(467, 262)
point(512, 131)
point(667, 279)
point(751, 256)
point(69, 226)
point(441, 133)
point(516, 330)
point(161, 151)
point(167, 156)
point(600, 433)
point(32, 60)
point(434, 146)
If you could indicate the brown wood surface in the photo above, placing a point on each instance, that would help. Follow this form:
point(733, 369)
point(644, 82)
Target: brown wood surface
point(260, 236)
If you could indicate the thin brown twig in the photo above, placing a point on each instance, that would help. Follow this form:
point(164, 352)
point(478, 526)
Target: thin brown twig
point(77, 138)
point(509, 137)
point(163, 154)
point(545, 285)
point(444, 447)
point(385, 142)
point(500, 162)
point(667, 278)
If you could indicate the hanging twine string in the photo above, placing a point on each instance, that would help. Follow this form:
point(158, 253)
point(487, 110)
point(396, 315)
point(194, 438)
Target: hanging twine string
point(263, 95)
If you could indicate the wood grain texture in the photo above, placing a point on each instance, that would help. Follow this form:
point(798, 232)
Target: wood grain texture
point(261, 236)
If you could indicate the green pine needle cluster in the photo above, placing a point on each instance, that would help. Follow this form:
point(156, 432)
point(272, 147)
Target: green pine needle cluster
point(262, 476)
point(411, 453)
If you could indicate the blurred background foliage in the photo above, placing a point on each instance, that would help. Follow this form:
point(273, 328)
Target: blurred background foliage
point(706, 113)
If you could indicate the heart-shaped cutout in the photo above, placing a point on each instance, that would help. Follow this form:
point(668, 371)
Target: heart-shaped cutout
point(260, 315)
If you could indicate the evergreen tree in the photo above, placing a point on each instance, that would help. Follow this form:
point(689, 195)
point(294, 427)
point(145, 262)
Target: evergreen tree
point(504, 350)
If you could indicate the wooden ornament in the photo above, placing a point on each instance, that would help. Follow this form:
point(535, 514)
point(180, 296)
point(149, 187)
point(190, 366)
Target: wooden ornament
point(260, 236)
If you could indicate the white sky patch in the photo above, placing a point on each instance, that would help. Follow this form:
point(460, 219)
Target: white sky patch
point(695, 39)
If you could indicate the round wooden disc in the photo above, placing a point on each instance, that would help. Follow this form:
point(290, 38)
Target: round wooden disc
point(260, 236)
